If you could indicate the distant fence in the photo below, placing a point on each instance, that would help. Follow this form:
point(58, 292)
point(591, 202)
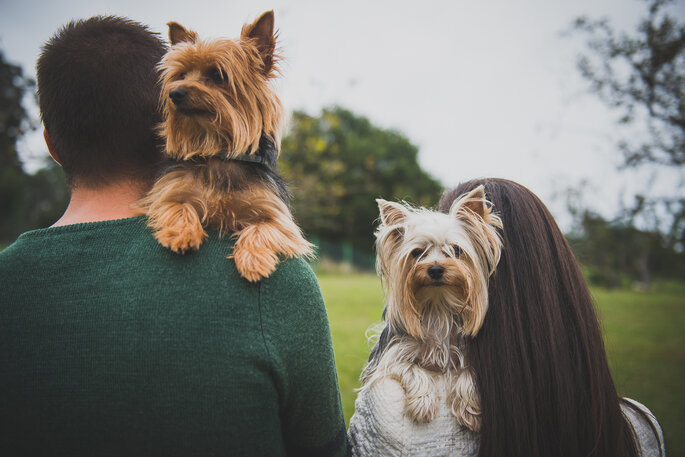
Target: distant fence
point(344, 255)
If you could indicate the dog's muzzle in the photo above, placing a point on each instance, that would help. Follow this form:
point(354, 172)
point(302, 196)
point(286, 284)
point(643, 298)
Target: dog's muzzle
point(177, 96)
point(436, 272)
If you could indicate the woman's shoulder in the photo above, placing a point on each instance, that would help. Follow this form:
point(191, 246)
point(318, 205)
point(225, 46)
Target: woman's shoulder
point(650, 437)
point(379, 426)
point(378, 421)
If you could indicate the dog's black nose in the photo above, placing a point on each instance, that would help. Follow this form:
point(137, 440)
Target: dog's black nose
point(436, 271)
point(177, 95)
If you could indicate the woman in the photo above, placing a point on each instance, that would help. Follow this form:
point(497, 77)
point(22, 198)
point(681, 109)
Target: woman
point(541, 368)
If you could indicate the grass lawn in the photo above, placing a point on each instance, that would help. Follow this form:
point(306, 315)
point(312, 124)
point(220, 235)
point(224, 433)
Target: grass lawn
point(644, 335)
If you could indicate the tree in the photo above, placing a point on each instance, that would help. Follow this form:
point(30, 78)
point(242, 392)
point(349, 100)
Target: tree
point(337, 164)
point(14, 120)
point(26, 201)
point(613, 251)
point(642, 76)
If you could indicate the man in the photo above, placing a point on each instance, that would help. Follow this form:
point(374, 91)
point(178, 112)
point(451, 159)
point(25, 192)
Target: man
point(113, 345)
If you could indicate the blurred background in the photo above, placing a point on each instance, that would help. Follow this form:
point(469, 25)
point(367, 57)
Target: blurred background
point(583, 102)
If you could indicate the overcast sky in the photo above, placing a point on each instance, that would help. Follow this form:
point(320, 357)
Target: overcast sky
point(482, 87)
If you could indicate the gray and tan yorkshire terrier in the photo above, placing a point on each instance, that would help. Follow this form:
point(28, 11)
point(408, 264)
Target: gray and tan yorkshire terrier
point(435, 268)
point(221, 127)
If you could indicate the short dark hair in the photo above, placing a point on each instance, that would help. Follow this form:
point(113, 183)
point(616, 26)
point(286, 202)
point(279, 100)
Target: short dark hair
point(98, 91)
point(541, 368)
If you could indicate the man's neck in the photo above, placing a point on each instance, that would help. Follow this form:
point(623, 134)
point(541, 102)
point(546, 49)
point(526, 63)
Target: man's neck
point(113, 201)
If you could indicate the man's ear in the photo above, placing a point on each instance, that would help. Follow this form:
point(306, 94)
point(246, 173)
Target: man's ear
point(261, 32)
point(51, 148)
point(179, 34)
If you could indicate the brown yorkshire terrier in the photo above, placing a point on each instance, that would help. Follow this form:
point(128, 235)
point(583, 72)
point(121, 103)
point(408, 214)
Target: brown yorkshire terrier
point(221, 126)
point(435, 268)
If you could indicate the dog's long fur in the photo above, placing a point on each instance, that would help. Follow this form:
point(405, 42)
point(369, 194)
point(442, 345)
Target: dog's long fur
point(218, 105)
point(429, 321)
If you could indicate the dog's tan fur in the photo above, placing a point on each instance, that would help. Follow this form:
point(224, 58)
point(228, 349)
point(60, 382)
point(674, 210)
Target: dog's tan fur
point(228, 107)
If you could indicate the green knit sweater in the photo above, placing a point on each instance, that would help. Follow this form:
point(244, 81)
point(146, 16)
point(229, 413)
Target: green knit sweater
point(113, 345)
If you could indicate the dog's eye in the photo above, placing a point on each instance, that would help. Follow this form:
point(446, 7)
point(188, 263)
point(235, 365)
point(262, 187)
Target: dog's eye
point(457, 250)
point(182, 76)
point(416, 252)
point(216, 75)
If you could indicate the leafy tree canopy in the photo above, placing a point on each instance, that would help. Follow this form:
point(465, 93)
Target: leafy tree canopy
point(338, 163)
point(26, 201)
point(642, 76)
point(643, 73)
point(614, 252)
point(14, 120)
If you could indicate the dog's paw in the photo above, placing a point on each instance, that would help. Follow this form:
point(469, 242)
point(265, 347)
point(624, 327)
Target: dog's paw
point(300, 247)
point(467, 415)
point(255, 264)
point(181, 239)
point(177, 226)
point(422, 409)
point(466, 401)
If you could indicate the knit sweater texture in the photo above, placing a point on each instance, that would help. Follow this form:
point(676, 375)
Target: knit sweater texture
point(379, 427)
point(111, 344)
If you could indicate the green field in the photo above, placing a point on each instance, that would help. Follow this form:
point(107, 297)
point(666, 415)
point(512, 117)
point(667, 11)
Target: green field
point(644, 334)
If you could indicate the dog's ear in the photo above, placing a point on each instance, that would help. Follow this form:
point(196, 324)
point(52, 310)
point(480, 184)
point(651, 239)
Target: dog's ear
point(261, 32)
point(474, 201)
point(486, 225)
point(391, 213)
point(179, 34)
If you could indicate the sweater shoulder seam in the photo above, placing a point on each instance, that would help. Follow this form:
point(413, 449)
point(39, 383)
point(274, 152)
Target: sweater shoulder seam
point(261, 321)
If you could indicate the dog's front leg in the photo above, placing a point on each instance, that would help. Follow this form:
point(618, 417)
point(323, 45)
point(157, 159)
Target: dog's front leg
point(253, 252)
point(258, 246)
point(465, 400)
point(267, 236)
point(179, 228)
point(421, 400)
point(174, 213)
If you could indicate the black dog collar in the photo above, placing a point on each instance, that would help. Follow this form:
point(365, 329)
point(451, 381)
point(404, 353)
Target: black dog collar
point(224, 155)
point(266, 155)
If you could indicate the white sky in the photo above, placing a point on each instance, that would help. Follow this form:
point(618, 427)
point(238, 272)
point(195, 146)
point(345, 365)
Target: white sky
point(483, 88)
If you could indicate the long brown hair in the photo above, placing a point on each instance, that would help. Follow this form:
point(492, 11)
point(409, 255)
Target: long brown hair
point(541, 368)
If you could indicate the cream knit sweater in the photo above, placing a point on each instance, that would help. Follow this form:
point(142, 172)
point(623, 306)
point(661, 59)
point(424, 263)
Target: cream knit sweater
point(379, 427)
